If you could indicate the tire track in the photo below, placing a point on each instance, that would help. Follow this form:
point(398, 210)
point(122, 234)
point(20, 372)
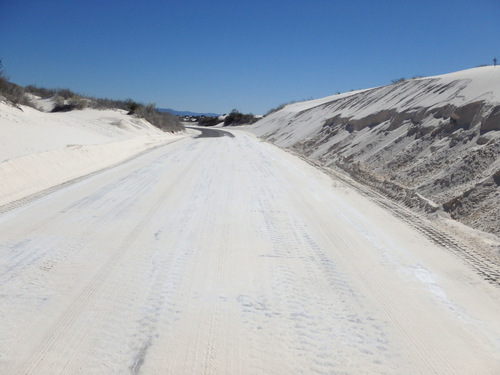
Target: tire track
point(41, 194)
point(402, 317)
point(483, 266)
point(389, 305)
point(232, 266)
point(293, 309)
point(488, 267)
point(83, 298)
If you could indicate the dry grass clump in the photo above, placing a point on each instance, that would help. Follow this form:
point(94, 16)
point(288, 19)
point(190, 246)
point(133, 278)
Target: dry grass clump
point(66, 100)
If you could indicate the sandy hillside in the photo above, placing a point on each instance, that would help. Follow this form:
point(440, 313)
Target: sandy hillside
point(432, 143)
point(40, 150)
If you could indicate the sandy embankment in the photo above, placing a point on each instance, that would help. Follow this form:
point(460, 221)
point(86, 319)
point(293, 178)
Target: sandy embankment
point(42, 150)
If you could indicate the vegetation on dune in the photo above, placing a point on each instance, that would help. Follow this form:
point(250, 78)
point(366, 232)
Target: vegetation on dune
point(162, 120)
point(278, 108)
point(236, 118)
point(10, 91)
point(398, 80)
point(208, 121)
point(66, 100)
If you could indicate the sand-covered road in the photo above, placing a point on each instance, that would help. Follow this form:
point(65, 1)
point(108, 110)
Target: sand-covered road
point(226, 255)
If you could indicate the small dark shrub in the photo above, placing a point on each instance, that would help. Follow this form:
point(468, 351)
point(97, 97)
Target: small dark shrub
point(208, 121)
point(11, 92)
point(42, 92)
point(105, 103)
point(132, 107)
point(162, 120)
point(281, 106)
point(63, 108)
point(398, 80)
point(237, 118)
point(66, 100)
point(65, 93)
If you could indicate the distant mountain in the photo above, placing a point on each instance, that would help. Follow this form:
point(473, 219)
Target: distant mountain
point(186, 113)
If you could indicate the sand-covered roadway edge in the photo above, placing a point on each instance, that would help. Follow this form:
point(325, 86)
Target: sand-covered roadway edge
point(27, 178)
point(228, 255)
point(480, 250)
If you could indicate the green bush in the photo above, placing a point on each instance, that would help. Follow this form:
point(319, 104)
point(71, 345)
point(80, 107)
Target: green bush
point(208, 121)
point(237, 118)
point(132, 107)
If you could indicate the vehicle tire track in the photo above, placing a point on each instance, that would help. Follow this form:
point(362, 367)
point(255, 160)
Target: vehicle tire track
point(50, 190)
point(401, 317)
point(487, 267)
point(82, 299)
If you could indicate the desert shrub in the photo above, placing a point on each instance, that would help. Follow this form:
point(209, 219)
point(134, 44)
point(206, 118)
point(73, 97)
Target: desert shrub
point(276, 109)
point(106, 103)
point(237, 118)
point(233, 118)
point(67, 100)
point(65, 93)
point(75, 102)
point(11, 92)
point(42, 92)
point(281, 106)
point(398, 80)
point(132, 107)
point(63, 108)
point(208, 121)
point(78, 102)
point(162, 120)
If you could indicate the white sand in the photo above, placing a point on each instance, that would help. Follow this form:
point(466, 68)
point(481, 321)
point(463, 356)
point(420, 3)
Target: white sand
point(41, 150)
point(435, 136)
point(288, 126)
point(227, 256)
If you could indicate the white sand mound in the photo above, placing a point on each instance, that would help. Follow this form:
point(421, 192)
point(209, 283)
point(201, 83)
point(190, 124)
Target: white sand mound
point(40, 150)
point(428, 142)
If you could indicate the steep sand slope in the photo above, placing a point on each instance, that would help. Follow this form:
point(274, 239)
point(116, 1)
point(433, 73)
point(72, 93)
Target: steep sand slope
point(433, 143)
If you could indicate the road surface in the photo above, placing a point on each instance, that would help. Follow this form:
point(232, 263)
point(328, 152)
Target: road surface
point(226, 255)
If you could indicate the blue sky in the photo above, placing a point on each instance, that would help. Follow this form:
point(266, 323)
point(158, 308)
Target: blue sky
point(213, 56)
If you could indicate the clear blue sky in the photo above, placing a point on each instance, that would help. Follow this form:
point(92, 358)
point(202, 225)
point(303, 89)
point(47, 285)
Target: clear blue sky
point(213, 56)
